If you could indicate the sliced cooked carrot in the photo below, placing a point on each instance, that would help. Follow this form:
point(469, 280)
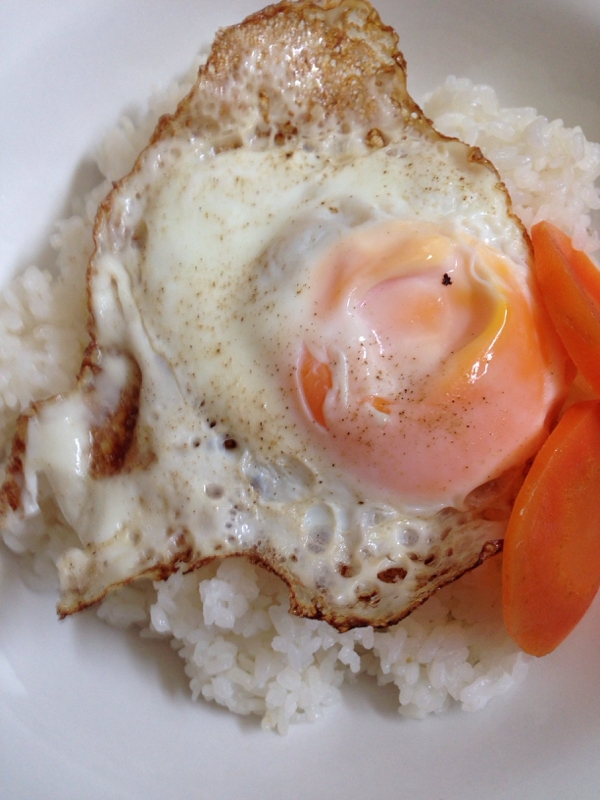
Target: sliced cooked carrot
point(570, 285)
point(315, 383)
point(551, 566)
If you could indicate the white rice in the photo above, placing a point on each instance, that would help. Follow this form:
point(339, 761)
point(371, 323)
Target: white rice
point(549, 170)
point(230, 621)
point(242, 649)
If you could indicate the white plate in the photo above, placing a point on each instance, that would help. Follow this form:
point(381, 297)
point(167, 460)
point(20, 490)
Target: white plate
point(89, 712)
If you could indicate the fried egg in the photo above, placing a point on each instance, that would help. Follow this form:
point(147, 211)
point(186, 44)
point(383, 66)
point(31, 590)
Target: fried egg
point(315, 339)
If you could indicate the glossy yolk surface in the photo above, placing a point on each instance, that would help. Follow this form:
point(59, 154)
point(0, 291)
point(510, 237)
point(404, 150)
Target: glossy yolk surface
point(425, 368)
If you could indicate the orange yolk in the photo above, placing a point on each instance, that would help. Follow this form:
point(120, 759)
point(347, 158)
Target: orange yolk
point(426, 368)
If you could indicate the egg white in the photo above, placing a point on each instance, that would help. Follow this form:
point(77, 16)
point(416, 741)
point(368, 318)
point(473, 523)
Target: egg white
point(205, 258)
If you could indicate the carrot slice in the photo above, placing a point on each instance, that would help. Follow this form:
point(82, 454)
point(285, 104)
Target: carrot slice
point(315, 382)
point(570, 285)
point(551, 565)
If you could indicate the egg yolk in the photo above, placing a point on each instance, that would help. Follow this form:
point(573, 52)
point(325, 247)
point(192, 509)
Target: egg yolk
point(425, 368)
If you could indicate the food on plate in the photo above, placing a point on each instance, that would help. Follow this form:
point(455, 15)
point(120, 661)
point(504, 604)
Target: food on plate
point(339, 370)
point(315, 342)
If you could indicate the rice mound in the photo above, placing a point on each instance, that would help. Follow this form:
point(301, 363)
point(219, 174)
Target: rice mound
point(229, 621)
